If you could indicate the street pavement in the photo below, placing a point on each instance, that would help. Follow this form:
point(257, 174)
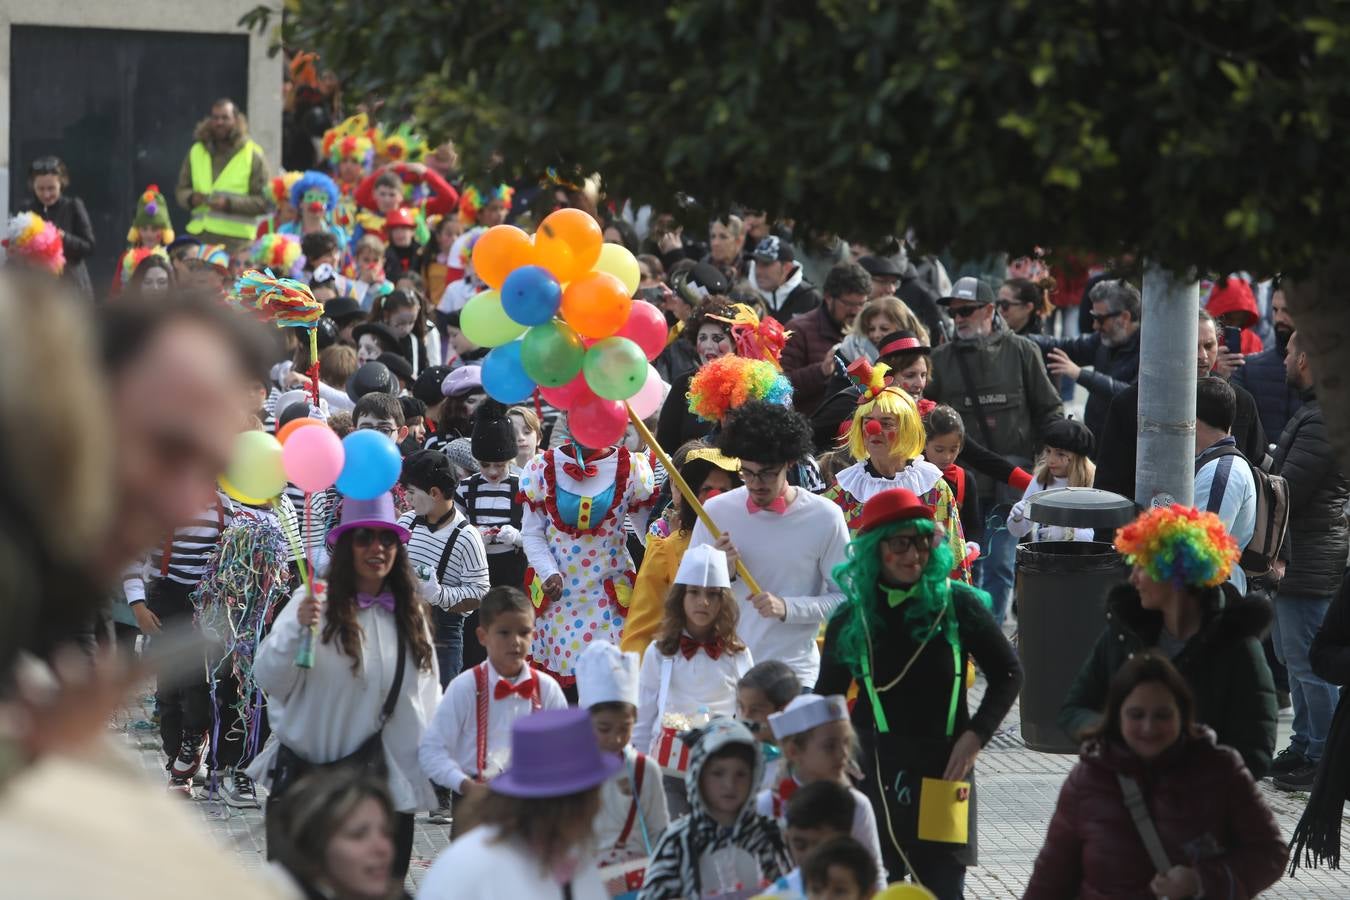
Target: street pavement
point(1018, 789)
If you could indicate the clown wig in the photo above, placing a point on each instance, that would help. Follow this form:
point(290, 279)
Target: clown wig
point(1179, 545)
point(472, 201)
point(728, 382)
point(880, 398)
point(350, 140)
point(318, 184)
point(35, 242)
point(280, 188)
point(278, 252)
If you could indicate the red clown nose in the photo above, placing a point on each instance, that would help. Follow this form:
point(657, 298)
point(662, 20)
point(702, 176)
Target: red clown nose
point(873, 427)
point(315, 206)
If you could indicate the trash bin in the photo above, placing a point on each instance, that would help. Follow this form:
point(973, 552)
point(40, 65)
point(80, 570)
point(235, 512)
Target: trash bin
point(1061, 592)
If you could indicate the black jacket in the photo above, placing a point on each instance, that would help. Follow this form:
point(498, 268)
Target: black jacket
point(1223, 664)
point(1276, 400)
point(1113, 369)
point(1317, 540)
point(677, 424)
point(69, 215)
point(1116, 446)
point(922, 300)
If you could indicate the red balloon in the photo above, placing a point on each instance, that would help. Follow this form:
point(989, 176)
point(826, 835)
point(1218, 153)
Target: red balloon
point(646, 327)
point(570, 394)
point(598, 423)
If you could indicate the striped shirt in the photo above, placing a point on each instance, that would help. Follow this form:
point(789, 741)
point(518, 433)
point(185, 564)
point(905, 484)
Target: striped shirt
point(322, 516)
point(188, 551)
point(491, 506)
point(466, 572)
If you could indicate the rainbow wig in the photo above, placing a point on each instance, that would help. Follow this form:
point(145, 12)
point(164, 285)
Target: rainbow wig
point(350, 140)
point(278, 252)
point(878, 396)
point(472, 201)
point(1180, 545)
point(35, 242)
point(280, 188)
point(315, 183)
point(726, 383)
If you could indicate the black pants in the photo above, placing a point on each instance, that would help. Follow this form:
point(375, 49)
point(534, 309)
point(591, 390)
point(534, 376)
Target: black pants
point(184, 710)
point(403, 838)
point(228, 749)
point(938, 872)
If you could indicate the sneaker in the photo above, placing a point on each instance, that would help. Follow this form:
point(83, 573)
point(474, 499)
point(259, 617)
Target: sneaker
point(1301, 779)
point(237, 790)
point(190, 756)
point(181, 786)
point(1286, 761)
point(441, 815)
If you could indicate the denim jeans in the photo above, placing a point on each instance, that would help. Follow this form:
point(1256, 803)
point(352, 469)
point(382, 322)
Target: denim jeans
point(1296, 621)
point(449, 643)
point(994, 568)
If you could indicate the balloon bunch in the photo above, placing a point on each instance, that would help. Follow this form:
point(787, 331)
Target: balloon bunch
point(560, 319)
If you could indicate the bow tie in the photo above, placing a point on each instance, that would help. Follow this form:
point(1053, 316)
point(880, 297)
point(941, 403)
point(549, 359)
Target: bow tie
point(578, 472)
point(689, 646)
point(778, 506)
point(896, 596)
point(786, 788)
point(504, 689)
point(366, 601)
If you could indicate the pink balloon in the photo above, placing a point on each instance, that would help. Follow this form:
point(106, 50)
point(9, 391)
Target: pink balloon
point(646, 327)
point(570, 394)
point(648, 398)
point(313, 458)
point(597, 422)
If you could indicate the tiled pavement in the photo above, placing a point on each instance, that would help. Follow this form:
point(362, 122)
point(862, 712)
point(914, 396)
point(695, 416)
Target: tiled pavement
point(1018, 788)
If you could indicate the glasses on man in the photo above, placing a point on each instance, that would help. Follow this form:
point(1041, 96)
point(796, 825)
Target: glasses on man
point(1104, 317)
point(900, 544)
point(364, 537)
point(963, 312)
point(385, 428)
point(763, 476)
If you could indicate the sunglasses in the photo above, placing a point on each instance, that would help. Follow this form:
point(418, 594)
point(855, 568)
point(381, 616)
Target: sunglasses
point(1103, 317)
point(363, 537)
point(1005, 305)
point(962, 312)
point(900, 544)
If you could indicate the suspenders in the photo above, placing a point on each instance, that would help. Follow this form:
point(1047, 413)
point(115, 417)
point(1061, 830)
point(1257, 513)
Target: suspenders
point(480, 681)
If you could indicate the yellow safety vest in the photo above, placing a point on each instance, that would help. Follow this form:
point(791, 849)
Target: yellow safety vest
point(233, 179)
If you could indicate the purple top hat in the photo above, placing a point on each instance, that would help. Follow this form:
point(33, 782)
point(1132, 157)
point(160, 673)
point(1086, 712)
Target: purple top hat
point(553, 754)
point(377, 513)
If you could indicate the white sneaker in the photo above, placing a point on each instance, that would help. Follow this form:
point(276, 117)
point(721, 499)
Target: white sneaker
point(237, 791)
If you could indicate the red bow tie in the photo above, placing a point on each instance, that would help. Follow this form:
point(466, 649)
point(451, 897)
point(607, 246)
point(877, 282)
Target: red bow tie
point(786, 788)
point(504, 689)
point(778, 506)
point(579, 473)
point(689, 646)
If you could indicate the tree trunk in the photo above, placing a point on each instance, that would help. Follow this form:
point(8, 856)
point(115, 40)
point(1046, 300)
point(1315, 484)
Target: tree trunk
point(1165, 465)
point(1321, 311)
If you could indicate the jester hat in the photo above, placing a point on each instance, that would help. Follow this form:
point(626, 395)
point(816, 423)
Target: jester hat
point(151, 209)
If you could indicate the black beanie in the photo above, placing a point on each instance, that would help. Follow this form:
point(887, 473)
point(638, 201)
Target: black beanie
point(494, 439)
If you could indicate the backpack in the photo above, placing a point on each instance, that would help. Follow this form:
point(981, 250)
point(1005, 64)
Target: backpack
point(1272, 511)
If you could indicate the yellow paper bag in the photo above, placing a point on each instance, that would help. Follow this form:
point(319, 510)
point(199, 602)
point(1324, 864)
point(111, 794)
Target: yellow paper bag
point(944, 811)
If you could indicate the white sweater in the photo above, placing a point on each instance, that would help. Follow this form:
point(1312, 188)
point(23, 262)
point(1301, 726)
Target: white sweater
point(479, 867)
point(791, 556)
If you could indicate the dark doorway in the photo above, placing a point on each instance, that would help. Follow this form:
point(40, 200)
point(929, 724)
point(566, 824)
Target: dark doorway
point(119, 107)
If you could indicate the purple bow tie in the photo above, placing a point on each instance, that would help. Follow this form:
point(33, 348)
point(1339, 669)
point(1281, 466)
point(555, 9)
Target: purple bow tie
point(366, 601)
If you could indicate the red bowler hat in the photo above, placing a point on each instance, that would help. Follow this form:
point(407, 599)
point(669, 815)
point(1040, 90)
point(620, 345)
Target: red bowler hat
point(895, 505)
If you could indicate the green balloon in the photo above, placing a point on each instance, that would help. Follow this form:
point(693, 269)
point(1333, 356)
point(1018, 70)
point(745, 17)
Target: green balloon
point(484, 322)
point(551, 354)
point(615, 368)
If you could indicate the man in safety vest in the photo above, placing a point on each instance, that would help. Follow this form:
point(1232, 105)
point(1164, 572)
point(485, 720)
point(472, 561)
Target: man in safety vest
point(224, 179)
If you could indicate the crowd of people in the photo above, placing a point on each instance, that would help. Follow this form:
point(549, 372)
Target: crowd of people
point(729, 659)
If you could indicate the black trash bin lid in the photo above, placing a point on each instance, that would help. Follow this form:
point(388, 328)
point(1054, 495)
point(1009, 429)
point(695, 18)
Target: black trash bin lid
point(1079, 507)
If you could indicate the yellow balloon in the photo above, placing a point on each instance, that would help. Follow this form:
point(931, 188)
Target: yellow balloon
point(903, 891)
point(255, 473)
point(617, 261)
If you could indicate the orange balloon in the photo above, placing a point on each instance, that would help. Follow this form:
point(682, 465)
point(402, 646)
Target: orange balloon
point(290, 428)
point(596, 304)
point(500, 251)
point(574, 230)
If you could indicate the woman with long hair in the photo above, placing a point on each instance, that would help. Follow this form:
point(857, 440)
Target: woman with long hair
point(906, 633)
point(373, 646)
point(1210, 822)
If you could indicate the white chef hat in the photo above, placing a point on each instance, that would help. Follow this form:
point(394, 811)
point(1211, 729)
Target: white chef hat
point(806, 712)
point(605, 674)
point(703, 566)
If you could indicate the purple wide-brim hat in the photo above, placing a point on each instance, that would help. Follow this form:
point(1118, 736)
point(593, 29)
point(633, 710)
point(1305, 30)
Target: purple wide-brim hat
point(377, 513)
point(553, 754)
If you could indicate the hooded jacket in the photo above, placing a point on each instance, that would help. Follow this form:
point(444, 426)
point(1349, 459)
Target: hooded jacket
point(677, 862)
point(1208, 812)
point(1317, 540)
point(255, 204)
point(793, 297)
point(1235, 295)
point(1223, 663)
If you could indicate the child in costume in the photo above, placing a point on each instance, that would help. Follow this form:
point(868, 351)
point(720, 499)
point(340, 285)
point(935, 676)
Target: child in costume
point(400, 231)
point(279, 253)
point(946, 433)
point(535, 821)
point(403, 184)
point(887, 438)
point(315, 198)
point(150, 229)
point(370, 281)
point(818, 744)
point(722, 845)
point(486, 207)
point(350, 153)
point(840, 869)
point(283, 210)
point(906, 633)
point(581, 576)
point(434, 263)
point(462, 282)
point(632, 804)
point(691, 670)
point(469, 741)
point(1065, 462)
point(816, 814)
point(767, 688)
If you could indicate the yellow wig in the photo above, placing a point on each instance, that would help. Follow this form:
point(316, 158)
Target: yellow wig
point(879, 396)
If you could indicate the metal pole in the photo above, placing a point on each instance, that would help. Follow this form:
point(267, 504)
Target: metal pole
point(1165, 463)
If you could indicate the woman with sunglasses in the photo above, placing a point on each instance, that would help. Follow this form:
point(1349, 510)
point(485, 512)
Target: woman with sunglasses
point(48, 180)
point(368, 615)
point(906, 632)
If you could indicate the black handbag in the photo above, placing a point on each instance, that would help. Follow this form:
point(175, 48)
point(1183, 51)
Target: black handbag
point(289, 766)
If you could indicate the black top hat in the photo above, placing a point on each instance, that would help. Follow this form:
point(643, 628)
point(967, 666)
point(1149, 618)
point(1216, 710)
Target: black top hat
point(371, 378)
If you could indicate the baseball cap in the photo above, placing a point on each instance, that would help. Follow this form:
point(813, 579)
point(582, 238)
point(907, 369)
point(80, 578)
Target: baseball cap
point(773, 249)
point(970, 288)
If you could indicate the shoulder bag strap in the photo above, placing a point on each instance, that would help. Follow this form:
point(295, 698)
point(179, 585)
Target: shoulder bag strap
point(634, 809)
point(392, 699)
point(1134, 802)
point(969, 383)
point(667, 666)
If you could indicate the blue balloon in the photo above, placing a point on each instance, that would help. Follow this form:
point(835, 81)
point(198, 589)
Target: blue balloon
point(504, 375)
point(372, 466)
point(531, 295)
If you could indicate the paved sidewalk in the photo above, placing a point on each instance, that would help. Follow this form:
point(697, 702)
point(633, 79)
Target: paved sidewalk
point(1018, 789)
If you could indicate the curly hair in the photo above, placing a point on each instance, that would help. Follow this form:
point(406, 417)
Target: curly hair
point(765, 433)
point(712, 305)
point(1179, 545)
point(673, 622)
point(340, 614)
